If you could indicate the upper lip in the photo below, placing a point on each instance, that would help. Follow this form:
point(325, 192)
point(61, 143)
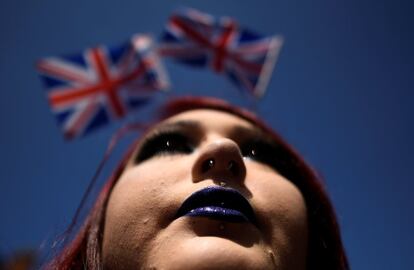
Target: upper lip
point(218, 196)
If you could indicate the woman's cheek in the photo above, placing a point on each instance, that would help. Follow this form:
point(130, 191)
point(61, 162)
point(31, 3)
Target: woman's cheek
point(142, 203)
point(282, 214)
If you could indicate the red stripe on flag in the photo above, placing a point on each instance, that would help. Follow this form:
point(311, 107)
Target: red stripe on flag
point(220, 49)
point(197, 37)
point(108, 86)
point(69, 96)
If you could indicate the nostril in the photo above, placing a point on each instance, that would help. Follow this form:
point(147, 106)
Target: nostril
point(207, 165)
point(219, 160)
point(233, 168)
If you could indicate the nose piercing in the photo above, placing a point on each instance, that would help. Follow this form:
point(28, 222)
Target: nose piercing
point(207, 165)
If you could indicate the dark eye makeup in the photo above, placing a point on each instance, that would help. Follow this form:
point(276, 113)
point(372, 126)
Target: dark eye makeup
point(261, 150)
point(178, 140)
point(164, 142)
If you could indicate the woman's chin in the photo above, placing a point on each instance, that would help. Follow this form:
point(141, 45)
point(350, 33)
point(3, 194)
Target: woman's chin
point(212, 252)
point(204, 243)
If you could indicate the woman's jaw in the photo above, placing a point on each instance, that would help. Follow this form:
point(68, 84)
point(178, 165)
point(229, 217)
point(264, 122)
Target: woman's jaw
point(144, 228)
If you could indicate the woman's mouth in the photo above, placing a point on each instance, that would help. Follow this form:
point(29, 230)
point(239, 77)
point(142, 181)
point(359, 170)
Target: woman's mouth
point(219, 203)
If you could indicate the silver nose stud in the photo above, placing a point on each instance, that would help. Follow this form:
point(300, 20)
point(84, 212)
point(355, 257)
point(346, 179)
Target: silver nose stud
point(210, 163)
point(207, 165)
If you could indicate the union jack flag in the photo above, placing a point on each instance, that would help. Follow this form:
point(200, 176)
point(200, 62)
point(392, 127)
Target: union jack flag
point(91, 88)
point(198, 39)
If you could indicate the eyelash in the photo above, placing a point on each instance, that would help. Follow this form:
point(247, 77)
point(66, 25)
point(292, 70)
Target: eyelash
point(263, 152)
point(176, 142)
point(165, 143)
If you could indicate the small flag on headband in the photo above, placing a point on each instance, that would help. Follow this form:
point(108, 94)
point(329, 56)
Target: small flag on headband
point(91, 88)
point(198, 39)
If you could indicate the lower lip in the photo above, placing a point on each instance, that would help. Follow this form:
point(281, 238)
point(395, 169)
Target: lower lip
point(219, 213)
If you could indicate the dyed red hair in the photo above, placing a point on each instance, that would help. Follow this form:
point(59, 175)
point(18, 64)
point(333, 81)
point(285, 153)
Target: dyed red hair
point(325, 248)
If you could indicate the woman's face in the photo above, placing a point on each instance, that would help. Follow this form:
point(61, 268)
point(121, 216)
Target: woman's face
point(202, 192)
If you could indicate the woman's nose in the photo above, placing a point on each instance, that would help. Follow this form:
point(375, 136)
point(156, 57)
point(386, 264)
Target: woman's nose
point(220, 161)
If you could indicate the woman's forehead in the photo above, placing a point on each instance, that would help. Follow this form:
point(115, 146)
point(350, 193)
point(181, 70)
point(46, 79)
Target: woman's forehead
point(209, 118)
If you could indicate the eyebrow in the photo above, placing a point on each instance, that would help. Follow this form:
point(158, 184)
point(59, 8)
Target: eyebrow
point(196, 127)
point(251, 132)
point(184, 125)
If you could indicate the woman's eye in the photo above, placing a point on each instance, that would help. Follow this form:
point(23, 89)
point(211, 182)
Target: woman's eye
point(164, 144)
point(262, 152)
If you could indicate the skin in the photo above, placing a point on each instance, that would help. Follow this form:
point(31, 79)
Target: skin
point(141, 231)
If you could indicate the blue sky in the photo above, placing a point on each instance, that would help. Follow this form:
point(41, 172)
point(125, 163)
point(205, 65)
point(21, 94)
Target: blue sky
point(342, 94)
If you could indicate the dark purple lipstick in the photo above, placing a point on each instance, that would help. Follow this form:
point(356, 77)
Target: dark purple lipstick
point(220, 203)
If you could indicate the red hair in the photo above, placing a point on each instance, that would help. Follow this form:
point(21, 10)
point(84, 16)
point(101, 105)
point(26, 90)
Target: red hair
point(325, 248)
